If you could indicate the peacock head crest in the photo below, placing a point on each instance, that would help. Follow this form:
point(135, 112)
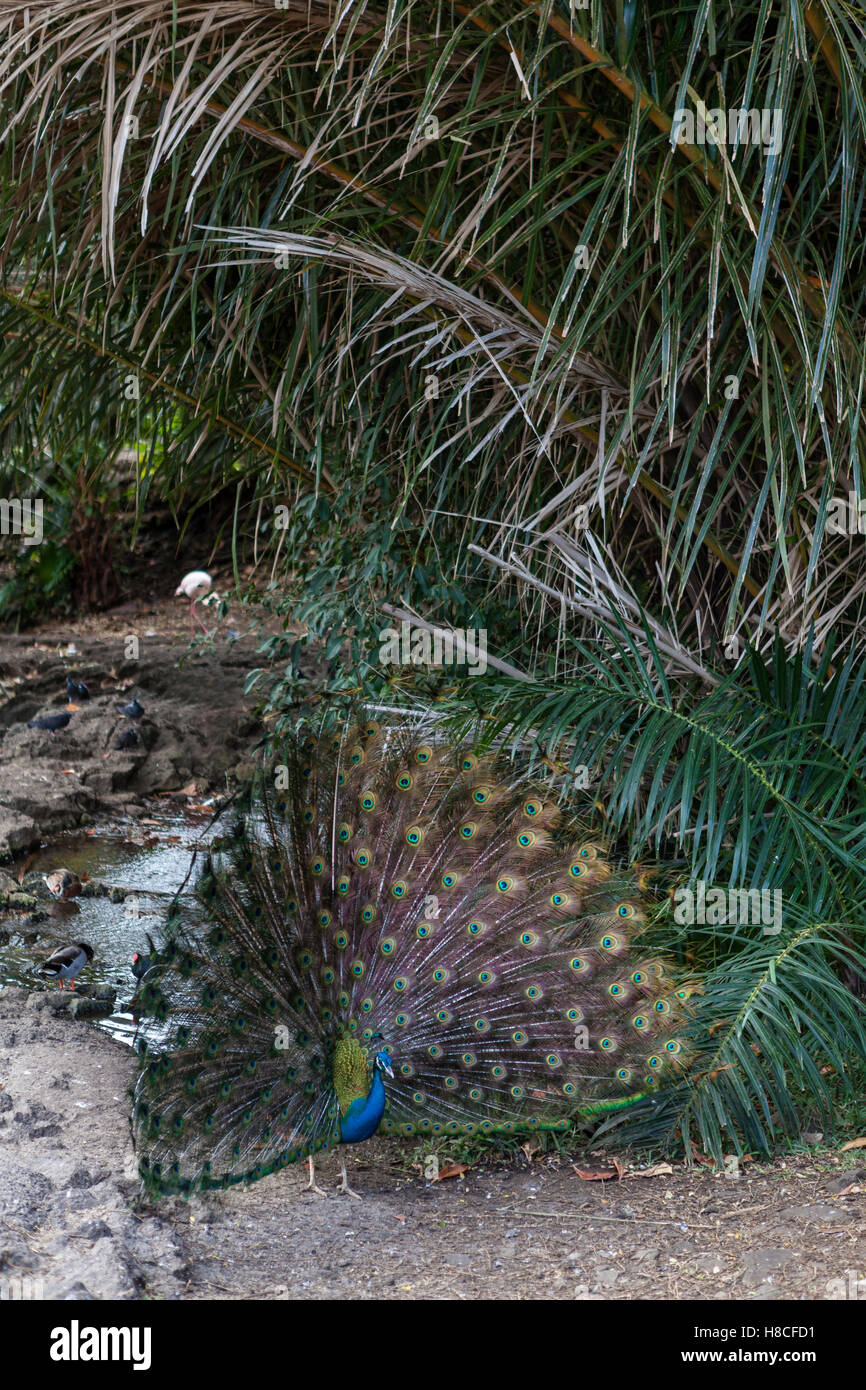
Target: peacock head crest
point(383, 1063)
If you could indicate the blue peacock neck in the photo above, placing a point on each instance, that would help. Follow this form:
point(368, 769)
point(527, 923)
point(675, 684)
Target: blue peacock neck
point(361, 1098)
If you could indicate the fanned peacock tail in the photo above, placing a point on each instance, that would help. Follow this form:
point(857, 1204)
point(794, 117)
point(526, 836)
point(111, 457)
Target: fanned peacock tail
point(402, 897)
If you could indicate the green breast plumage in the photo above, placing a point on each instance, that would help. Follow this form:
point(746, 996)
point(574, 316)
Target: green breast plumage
point(351, 1073)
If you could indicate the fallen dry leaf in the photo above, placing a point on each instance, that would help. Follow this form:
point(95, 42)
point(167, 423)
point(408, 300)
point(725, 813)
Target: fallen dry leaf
point(529, 1150)
point(854, 1144)
point(144, 821)
point(451, 1170)
point(586, 1176)
point(852, 1187)
point(700, 1157)
point(656, 1171)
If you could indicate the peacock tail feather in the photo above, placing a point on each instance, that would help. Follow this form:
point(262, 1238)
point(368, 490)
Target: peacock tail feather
point(403, 897)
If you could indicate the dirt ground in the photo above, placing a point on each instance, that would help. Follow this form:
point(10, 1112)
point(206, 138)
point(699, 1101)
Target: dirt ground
point(71, 1223)
point(198, 726)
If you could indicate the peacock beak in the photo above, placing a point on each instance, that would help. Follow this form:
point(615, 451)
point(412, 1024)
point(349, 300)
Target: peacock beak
point(388, 1069)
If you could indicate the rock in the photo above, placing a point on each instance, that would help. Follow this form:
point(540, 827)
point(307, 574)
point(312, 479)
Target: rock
point(856, 1175)
point(795, 1216)
point(17, 831)
point(762, 1265)
point(94, 1230)
point(100, 1006)
point(22, 1194)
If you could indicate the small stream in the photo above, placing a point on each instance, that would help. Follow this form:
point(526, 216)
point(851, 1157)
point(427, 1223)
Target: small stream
point(150, 858)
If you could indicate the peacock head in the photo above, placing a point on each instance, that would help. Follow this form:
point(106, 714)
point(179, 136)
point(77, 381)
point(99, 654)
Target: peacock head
point(383, 1063)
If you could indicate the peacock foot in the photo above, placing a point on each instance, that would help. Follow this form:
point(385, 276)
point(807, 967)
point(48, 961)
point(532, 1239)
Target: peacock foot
point(312, 1185)
point(344, 1184)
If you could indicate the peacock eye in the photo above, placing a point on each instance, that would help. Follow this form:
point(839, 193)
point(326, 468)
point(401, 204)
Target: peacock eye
point(468, 829)
point(576, 870)
point(468, 763)
point(368, 801)
point(423, 753)
point(531, 808)
point(413, 835)
point(344, 832)
point(404, 782)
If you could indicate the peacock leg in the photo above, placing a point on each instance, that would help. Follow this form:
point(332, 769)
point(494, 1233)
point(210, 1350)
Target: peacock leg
point(344, 1185)
point(311, 1185)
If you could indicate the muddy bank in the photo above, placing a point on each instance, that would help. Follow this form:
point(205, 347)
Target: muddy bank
point(72, 1224)
point(197, 726)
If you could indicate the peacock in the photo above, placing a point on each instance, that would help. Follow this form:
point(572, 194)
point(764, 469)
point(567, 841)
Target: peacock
point(403, 938)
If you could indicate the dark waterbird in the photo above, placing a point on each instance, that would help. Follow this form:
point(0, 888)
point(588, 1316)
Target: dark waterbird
point(141, 964)
point(51, 722)
point(128, 739)
point(133, 710)
point(76, 690)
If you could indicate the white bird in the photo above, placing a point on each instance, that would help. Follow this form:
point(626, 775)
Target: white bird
point(194, 586)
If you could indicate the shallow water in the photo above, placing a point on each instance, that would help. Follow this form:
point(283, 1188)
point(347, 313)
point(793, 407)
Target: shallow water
point(151, 861)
